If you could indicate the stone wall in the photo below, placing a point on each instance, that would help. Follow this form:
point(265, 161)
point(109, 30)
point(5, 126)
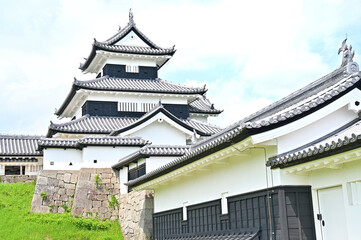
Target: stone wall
point(78, 191)
point(18, 178)
point(135, 215)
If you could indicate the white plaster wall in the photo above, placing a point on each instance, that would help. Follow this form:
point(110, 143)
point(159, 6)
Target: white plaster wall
point(61, 158)
point(156, 162)
point(315, 130)
point(237, 175)
point(199, 118)
point(132, 39)
point(325, 178)
point(335, 177)
point(130, 60)
point(161, 133)
point(123, 178)
point(106, 156)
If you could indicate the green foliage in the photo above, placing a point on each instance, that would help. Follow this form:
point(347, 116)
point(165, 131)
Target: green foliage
point(66, 208)
point(89, 214)
point(17, 223)
point(0, 179)
point(43, 195)
point(33, 182)
point(113, 202)
point(98, 181)
point(51, 207)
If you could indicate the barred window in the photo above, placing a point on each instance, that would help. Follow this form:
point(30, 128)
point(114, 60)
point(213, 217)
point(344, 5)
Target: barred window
point(132, 69)
point(128, 107)
point(146, 107)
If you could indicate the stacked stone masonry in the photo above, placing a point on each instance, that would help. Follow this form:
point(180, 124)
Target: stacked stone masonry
point(135, 215)
point(77, 192)
point(18, 179)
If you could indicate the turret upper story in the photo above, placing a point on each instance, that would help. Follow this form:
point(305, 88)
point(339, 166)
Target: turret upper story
point(127, 54)
point(127, 82)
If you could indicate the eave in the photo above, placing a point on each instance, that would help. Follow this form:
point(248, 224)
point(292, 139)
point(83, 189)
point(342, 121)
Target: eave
point(213, 156)
point(99, 57)
point(335, 162)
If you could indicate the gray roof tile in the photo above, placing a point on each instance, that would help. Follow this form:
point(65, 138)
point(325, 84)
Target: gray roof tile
point(223, 235)
point(203, 105)
point(306, 104)
point(336, 141)
point(239, 129)
point(19, 145)
point(109, 125)
point(201, 128)
point(92, 124)
point(134, 49)
point(137, 85)
point(110, 45)
point(91, 141)
point(152, 150)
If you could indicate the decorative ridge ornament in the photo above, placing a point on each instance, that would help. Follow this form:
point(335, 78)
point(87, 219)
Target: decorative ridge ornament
point(348, 54)
point(131, 16)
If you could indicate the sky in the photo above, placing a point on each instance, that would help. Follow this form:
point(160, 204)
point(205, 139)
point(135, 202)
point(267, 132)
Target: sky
point(248, 53)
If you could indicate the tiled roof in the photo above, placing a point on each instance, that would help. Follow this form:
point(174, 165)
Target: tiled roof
point(19, 145)
point(91, 124)
point(299, 95)
point(137, 85)
point(128, 85)
point(114, 125)
point(307, 104)
point(343, 139)
point(225, 136)
point(203, 105)
point(204, 129)
point(91, 141)
point(152, 150)
point(223, 235)
point(240, 130)
point(134, 49)
point(109, 45)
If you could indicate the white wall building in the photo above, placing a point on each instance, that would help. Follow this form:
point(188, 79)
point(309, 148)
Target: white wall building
point(290, 171)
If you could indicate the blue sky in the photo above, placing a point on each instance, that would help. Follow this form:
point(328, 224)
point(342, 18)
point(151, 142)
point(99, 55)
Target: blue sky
point(249, 53)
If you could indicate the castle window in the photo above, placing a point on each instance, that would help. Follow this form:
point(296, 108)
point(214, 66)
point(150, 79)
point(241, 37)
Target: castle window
point(128, 107)
point(52, 163)
point(146, 107)
point(132, 69)
point(95, 161)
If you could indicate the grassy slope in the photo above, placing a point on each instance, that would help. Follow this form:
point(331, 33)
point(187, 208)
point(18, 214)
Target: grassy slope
point(17, 223)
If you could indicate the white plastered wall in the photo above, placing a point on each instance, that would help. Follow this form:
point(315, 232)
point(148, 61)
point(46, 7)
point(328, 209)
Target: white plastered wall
point(106, 156)
point(132, 39)
point(316, 130)
point(161, 133)
point(235, 175)
point(157, 161)
point(326, 178)
point(62, 158)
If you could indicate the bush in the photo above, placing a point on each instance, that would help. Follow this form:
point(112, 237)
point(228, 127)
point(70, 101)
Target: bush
point(43, 195)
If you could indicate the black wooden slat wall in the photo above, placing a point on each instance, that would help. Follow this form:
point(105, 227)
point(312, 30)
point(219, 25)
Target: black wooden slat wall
point(290, 208)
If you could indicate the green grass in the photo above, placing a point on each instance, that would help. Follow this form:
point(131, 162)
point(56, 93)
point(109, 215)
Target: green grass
point(17, 223)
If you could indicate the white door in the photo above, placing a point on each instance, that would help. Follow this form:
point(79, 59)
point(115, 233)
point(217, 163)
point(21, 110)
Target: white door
point(332, 210)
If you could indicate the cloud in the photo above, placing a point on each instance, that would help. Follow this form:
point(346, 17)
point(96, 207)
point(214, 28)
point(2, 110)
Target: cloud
point(249, 53)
